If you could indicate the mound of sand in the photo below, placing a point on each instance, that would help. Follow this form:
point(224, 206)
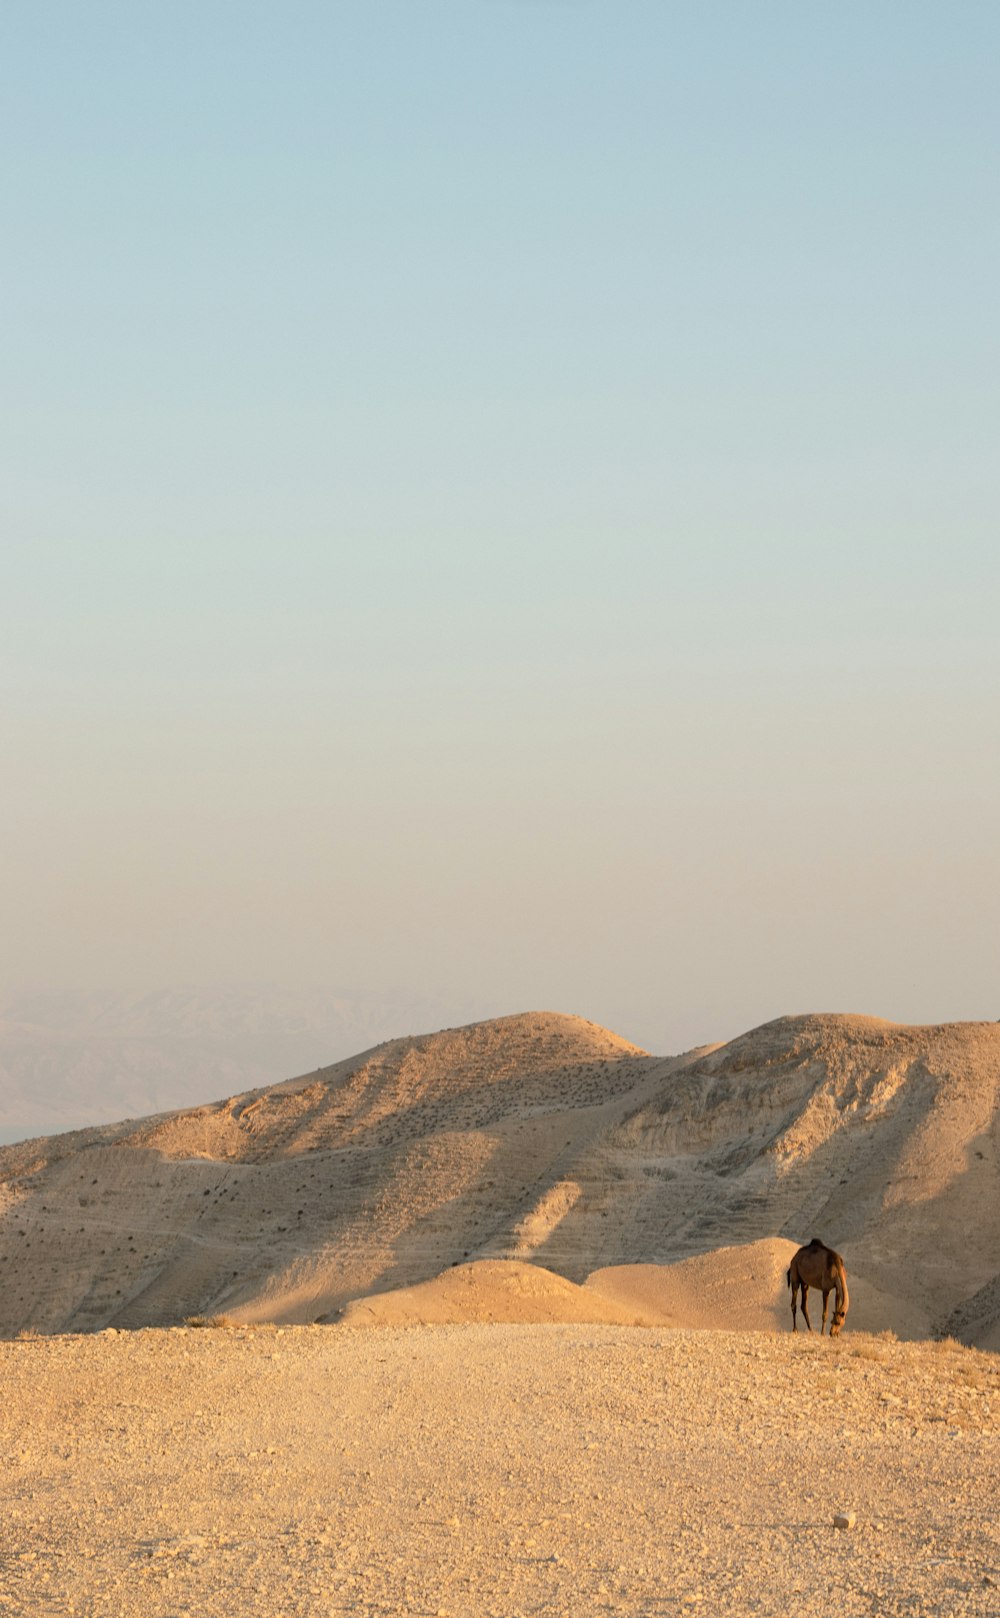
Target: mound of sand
point(745, 1288)
point(731, 1289)
point(492, 1290)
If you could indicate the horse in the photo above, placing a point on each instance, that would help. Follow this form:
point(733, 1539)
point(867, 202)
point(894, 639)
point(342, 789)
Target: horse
point(819, 1266)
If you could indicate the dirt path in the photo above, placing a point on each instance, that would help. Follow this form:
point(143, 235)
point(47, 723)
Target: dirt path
point(494, 1471)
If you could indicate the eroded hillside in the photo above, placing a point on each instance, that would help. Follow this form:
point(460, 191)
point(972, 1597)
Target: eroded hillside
point(540, 1138)
point(290, 1200)
point(881, 1137)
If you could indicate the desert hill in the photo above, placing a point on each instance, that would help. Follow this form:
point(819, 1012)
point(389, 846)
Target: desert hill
point(538, 1139)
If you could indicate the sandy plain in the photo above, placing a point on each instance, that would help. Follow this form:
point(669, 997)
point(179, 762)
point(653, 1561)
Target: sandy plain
point(496, 1471)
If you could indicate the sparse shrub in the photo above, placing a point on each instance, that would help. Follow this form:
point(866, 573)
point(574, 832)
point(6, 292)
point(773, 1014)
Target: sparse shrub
point(868, 1349)
point(948, 1345)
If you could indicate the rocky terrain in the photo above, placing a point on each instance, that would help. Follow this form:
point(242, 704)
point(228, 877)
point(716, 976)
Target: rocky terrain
point(496, 1472)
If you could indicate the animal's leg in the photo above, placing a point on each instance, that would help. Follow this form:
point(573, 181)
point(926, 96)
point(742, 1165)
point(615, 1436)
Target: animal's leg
point(805, 1311)
point(826, 1305)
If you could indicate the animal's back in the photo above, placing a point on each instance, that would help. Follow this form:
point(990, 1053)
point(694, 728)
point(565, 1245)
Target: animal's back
point(817, 1246)
point(815, 1250)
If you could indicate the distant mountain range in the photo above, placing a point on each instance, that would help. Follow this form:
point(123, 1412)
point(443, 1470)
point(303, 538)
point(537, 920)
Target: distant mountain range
point(69, 1060)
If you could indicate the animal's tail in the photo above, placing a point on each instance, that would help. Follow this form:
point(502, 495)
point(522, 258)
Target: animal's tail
point(788, 1276)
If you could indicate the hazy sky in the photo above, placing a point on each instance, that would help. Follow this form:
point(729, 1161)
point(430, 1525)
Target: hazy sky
point(500, 500)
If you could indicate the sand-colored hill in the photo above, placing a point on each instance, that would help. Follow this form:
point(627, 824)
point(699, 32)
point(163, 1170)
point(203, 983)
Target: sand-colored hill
point(493, 1290)
point(289, 1201)
point(730, 1289)
point(537, 1139)
point(882, 1139)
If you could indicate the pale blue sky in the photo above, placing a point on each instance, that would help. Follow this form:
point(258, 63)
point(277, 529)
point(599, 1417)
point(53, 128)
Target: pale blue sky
point(500, 499)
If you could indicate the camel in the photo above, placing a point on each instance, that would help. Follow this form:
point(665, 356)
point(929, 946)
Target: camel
point(819, 1266)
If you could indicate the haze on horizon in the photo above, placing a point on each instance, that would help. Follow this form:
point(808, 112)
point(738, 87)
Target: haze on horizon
point(500, 507)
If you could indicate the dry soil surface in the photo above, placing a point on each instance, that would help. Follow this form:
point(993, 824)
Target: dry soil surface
point(493, 1471)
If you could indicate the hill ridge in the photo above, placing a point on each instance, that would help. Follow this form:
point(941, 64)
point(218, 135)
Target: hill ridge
point(537, 1137)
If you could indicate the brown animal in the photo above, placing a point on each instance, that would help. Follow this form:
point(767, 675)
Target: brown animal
point(819, 1266)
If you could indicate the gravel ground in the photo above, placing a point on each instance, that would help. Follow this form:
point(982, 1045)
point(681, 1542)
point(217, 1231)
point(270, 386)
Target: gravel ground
point(496, 1472)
